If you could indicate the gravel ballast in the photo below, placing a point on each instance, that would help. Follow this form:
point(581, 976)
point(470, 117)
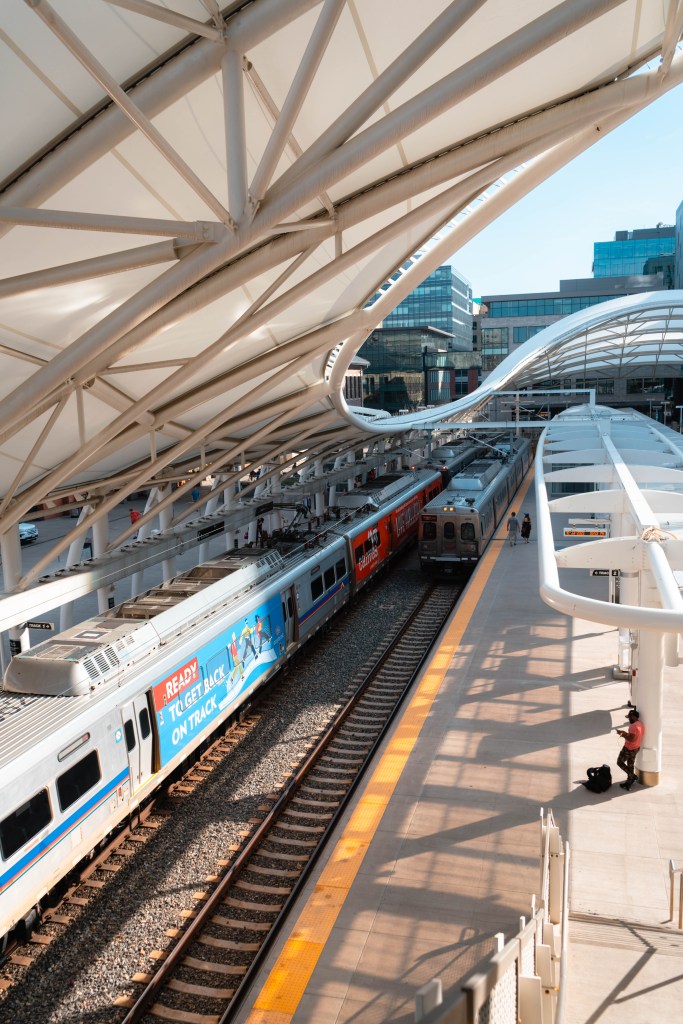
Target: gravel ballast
point(78, 977)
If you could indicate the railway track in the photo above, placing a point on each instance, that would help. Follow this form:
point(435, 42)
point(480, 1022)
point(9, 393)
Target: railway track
point(204, 975)
point(88, 878)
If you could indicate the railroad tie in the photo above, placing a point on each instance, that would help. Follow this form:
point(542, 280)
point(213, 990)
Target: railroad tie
point(253, 908)
point(242, 947)
point(228, 922)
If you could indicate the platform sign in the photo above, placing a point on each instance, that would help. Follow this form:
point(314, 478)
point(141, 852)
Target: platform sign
point(580, 531)
point(605, 572)
point(38, 624)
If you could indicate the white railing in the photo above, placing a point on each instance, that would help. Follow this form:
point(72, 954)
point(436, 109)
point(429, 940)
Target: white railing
point(524, 981)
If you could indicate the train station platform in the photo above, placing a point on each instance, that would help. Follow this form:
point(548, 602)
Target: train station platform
point(440, 850)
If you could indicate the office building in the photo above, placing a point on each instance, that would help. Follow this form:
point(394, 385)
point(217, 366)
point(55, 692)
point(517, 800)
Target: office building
point(410, 368)
point(644, 251)
point(443, 302)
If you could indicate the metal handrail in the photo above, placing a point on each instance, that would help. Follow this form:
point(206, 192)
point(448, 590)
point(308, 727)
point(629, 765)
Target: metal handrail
point(564, 943)
point(673, 871)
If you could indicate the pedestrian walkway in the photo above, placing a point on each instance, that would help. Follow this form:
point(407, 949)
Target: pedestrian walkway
point(442, 848)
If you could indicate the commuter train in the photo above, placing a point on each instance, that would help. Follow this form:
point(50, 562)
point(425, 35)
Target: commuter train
point(92, 720)
point(456, 526)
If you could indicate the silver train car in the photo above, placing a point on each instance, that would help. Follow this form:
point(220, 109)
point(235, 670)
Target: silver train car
point(456, 526)
point(94, 719)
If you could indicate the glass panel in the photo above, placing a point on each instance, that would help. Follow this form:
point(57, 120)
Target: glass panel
point(19, 827)
point(75, 782)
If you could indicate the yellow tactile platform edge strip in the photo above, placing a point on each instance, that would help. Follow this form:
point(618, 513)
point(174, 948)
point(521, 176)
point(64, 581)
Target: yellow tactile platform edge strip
point(280, 996)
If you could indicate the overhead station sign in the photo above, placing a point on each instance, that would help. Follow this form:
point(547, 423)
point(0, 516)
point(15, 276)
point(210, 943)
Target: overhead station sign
point(588, 528)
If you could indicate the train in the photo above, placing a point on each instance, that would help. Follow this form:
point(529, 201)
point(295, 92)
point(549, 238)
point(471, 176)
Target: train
point(458, 523)
point(94, 719)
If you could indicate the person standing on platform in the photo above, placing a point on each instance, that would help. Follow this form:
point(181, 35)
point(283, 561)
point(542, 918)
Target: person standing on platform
point(526, 527)
point(513, 528)
point(633, 738)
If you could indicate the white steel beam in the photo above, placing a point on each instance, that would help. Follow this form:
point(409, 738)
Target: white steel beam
point(197, 231)
point(98, 266)
point(385, 85)
point(48, 15)
point(298, 91)
point(260, 90)
point(169, 17)
point(672, 35)
point(235, 132)
point(486, 68)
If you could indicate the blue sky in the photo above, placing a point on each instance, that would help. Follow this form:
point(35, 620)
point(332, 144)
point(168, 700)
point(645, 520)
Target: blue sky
point(633, 178)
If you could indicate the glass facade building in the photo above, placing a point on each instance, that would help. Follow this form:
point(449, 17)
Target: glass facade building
point(646, 251)
point(443, 301)
point(409, 368)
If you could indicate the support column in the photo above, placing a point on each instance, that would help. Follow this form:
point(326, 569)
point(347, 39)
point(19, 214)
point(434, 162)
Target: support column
point(251, 531)
point(651, 705)
point(627, 656)
point(10, 549)
point(351, 481)
point(165, 519)
point(100, 535)
point(235, 132)
point(137, 584)
point(276, 491)
point(319, 495)
point(382, 465)
point(73, 557)
point(229, 503)
point(211, 506)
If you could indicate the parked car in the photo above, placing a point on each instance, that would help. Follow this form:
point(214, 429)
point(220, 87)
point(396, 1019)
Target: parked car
point(28, 532)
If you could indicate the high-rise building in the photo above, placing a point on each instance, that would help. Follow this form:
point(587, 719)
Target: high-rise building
point(444, 302)
point(643, 251)
point(678, 253)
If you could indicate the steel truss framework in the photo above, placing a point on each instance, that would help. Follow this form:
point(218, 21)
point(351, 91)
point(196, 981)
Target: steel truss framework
point(198, 202)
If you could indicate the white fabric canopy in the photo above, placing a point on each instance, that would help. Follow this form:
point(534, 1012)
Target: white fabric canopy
point(197, 205)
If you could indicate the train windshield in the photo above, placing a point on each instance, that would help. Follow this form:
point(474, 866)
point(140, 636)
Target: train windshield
point(467, 531)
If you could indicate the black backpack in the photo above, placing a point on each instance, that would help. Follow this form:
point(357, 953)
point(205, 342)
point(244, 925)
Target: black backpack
point(599, 779)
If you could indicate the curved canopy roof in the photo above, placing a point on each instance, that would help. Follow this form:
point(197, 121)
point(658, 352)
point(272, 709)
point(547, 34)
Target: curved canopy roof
point(197, 203)
point(631, 336)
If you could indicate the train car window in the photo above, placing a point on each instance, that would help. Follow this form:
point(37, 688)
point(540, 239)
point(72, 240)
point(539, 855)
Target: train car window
point(429, 531)
point(359, 553)
point(19, 827)
point(284, 611)
point(316, 587)
point(290, 607)
point(329, 577)
point(340, 568)
point(448, 531)
point(467, 531)
point(78, 780)
point(145, 727)
point(129, 730)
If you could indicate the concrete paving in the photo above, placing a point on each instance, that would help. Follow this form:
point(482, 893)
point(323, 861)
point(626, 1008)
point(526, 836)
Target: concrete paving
point(527, 704)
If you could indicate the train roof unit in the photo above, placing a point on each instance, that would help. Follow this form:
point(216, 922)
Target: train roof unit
point(468, 487)
point(87, 656)
point(376, 493)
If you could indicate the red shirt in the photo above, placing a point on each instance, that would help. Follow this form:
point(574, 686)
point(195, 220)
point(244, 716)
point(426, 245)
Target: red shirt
point(634, 736)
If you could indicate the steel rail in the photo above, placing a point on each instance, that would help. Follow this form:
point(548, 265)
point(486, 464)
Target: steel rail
point(176, 955)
